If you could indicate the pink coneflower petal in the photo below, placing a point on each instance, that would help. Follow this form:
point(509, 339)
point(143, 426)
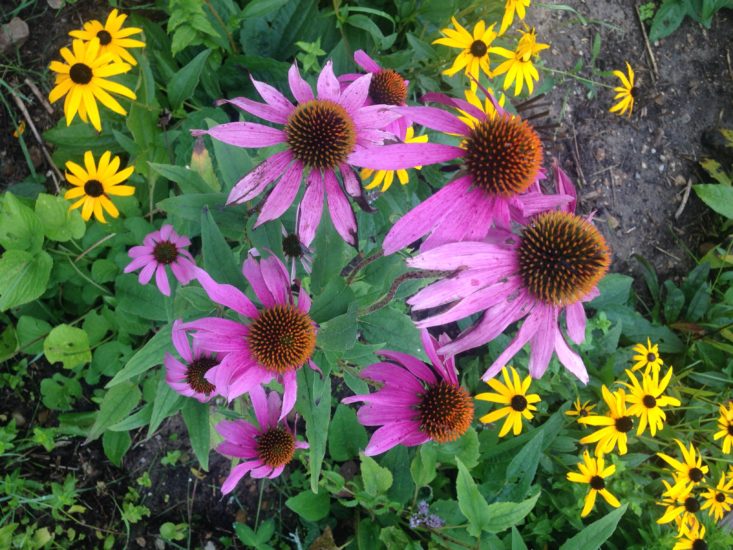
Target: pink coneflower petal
point(261, 110)
point(273, 97)
point(569, 358)
point(421, 219)
point(218, 334)
point(161, 280)
point(180, 341)
point(366, 62)
point(328, 85)
point(437, 119)
point(139, 260)
point(276, 279)
point(226, 295)
point(401, 156)
point(412, 364)
point(264, 174)
point(138, 251)
point(302, 92)
point(389, 436)
point(387, 373)
point(282, 195)
point(477, 255)
point(564, 186)
point(253, 273)
point(147, 273)
point(304, 301)
point(259, 404)
point(290, 393)
point(165, 232)
point(543, 342)
point(237, 430)
point(244, 134)
point(351, 182)
point(184, 272)
point(473, 303)
point(276, 472)
point(382, 413)
point(534, 203)
point(342, 215)
point(524, 334)
point(237, 473)
point(375, 116)
point(353, 97)
point(575, 320)
point(311, 208)
point(262, 471)
point(237, 450)
point(462, 104)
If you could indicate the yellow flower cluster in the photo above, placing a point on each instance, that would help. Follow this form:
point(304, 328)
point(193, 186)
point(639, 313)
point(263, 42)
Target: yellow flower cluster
point(97, 52)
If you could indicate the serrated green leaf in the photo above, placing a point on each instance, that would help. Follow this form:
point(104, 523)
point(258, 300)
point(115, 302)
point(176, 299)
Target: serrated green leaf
point(116, 405)
point(59, 223)
point(196, 417)
point(167, 402)
point(346, 435)
point(183, 84)
point(377, 479)
point(503, 515)
point(20, 227)
point(595, 534)
point(147, 357)
point(473, 506)
point(115, 445)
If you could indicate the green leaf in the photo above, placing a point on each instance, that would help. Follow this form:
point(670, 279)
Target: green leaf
point(346, 435)
point(674, 301)
point(310, 506)
point(615, 289)
point(473, 506)
point(138, 419)
point(503, 515)
point(517, 541)
point(188, 180)
point(196, 417)
point(73, 141)
point(219, 261)
point(716, 196)
point(183, 84)
point(423, 466)
point(339, 333)
point(167, 402)
point(115, 445)
point(146, 301)
point(31, 332)
point(68, 345)
point(147, 357)
point(23, 277)
point(59, 392)
point(116, 405)
point(59, 223)
point(104, 270)
point(258, 8)
point(523, 467)
point(465, 448)
point(595, 534)
point(8, 342)
point(314, 403)
point(668, 18)
point(716, 171)
point(393, 328)
point(20, 228)
point(377, 479)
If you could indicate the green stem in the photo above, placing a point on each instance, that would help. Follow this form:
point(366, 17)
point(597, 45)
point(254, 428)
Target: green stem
point(576, 77)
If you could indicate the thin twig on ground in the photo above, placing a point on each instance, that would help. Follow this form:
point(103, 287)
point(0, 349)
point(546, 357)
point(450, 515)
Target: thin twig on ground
point(663, 251)
point(41, 98)
point(576, 157)
point(650, 53)
point(685, 196)
point(29, 121)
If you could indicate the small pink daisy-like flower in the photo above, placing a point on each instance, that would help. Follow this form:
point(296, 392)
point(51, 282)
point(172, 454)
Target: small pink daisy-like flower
point(499, 182)
point(160, 249)
point(266, 449)
point(547, 271)
point(321, 133)
point(277, 340)
point(189, 378)
point(417, 402)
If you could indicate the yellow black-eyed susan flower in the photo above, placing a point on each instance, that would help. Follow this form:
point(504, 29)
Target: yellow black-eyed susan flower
point(474, 56)
point(616, 424)
point(680, 507)
point(486, 107)
point(689, 473)
point(94, 184)
point(581, 410)
point(513, 6)
point(718, 500)
point(725, 425)
point(112, 37)
point(519, 67)
point(513, 394)
point(82, 79)
point(386, 177)
point(647, 357)
point(624, 93)
point(594, 472)
point(691, 538)
point(645, 400)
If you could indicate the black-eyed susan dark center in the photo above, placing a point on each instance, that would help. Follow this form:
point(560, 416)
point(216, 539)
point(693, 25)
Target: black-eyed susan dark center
point(730, 429)
point(692, 505)
point(651, 357)
point(282, 338)
point(276, 447)
point(93, 188)
point(503, 155)
point(695, 474)
point(584, 412)
point(518, 403)
point(80, 73)
point(561, 257)
point(388, 87)
point(478, 48)
point(719, 497)
point(104, 37)
point(597, 483)
point(445, 412)
point(292, 247)
point(195, 374)
point(699, 544)
point(624, 424)
point(165, 252)
point(321, 134)
point(649, 401)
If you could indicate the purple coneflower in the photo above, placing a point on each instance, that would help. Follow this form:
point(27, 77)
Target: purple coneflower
point(499, 182)
point(189, 378)
point(266, 449)
point(279, 338)
point(550, 269)
point(159, 249)
point(321, 134)
point(417, 402)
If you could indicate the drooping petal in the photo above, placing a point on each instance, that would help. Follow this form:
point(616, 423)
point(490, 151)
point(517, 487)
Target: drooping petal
point(575, 320)
point(265, 173)
point(282, 195)
point(180, 341)
point(237, 473)
point(570, 359)
point(543, 341)
point(259, 404)
point(273, 97)
point(524, 334)
point(340, 210)
point(226, 295)
point(404, 155)
point(365, 62)
point(388, 436)
point(311, 208)
point(276, 278)
point(437, 119)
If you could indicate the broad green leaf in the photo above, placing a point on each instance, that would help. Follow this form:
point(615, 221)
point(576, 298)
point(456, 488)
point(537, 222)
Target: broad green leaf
point(346, 435)
point(668, 18)
point(167, 402)
point(115, 445)
point(59, 392)
point(377, 479)
point(473, 506)
point(68, 345)
point(423, 466)
point(20, 227)
point(145, 301)
point(139, 418)
point(196, 417)
point(147, 357)
point(31, 332)
point(314, 403)
point(59, 223)
point(219, 261)
point(8, 342)
point(339, 333)
point(716, 171)
point(73, 141)
point(716, 196)
point(517, 541)
point(395, 329)
point(104, 270)
point(465, 448)
point(310, 506)
point(188, 180)
point(258, 8)
point(116, 405)
point(615, 289)
point(523, 467)
point(595, 534)
point(503, 515)
point(183, 84)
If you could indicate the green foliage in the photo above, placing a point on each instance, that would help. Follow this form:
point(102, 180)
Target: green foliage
point(671, 13)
